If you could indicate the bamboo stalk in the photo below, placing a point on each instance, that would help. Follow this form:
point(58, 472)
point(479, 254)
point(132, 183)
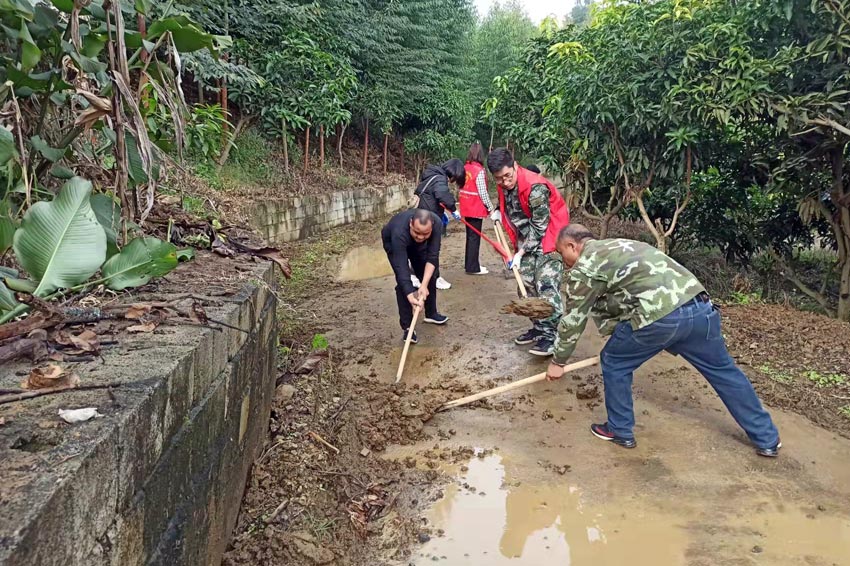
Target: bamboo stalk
point(516, 384)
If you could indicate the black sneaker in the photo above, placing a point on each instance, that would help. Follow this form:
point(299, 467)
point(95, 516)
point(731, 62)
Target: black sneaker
point(601, 431)
point(436, 319)
point(413, 339)
point(544, 347)
point(527, 338)
point(772, 452)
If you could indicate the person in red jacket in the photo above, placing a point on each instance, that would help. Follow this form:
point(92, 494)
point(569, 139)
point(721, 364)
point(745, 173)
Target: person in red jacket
point(533, 213)
point(475, 206)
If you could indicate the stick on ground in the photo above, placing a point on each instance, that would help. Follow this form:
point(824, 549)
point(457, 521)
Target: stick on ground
point(516, 384)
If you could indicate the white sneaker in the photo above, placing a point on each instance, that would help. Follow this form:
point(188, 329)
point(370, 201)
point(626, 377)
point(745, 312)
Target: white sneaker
point(415, 281)
point(443, 284)
point(482, 271)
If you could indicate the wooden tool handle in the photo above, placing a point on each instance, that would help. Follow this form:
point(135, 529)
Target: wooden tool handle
point(407, 344)
point(500, 235)
point(516, 384)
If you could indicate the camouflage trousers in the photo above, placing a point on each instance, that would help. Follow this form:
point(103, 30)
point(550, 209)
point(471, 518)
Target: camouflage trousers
point(542, 275)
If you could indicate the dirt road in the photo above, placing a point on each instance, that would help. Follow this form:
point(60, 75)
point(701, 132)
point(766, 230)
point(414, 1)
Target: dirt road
point(544, 490)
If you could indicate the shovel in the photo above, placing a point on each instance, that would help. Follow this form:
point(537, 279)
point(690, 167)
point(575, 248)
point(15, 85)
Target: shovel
point(407, 344)
point(515, 385)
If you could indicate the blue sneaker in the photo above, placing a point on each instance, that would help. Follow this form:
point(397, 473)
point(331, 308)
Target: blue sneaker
point(436, 318)
point(413, 339)
point(771, 452)
point(602, 431)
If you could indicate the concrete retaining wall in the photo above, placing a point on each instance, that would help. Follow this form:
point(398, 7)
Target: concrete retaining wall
point(292, 219)
point(160, 479)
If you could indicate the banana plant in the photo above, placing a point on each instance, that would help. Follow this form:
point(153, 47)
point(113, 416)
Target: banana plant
point(61, 244)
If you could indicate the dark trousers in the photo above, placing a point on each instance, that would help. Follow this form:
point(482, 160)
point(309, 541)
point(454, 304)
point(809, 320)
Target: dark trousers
point(405, 310)
point(693, 332)
point(473, 244)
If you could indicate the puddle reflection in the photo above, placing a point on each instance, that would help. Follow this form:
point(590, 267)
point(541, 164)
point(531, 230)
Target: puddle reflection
point(364, 262)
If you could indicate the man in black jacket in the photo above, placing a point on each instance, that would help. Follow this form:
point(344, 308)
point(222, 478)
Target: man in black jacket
point(434, 194)
point(412, 239)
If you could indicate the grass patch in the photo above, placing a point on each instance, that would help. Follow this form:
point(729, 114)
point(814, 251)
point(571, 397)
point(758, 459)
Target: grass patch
point(825, 380)
point(844, 411)
point(777, 375)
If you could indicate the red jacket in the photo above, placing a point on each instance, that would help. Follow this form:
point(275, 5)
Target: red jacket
point(471, 205)
point(559, 214)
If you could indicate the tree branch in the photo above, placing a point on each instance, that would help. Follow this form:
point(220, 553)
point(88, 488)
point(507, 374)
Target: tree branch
point(788, 273)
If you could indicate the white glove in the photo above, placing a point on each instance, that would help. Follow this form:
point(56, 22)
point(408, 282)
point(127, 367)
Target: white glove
point(496, 216)
point(456, 215)
point(517, 259)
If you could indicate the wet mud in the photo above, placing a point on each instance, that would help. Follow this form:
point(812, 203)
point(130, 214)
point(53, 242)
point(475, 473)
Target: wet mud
point(519, 479)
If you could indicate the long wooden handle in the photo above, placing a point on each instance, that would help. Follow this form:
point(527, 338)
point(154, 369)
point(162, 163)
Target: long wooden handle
point(407, 344)
point(519, 282)
point(516, 384)
point(500, 235)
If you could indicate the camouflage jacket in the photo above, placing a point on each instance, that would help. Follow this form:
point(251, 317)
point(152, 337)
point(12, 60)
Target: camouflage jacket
point(530, 231)
point(617, 280)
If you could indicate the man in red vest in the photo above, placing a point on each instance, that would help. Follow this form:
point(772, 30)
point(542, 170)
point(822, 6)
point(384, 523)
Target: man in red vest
point(533, 213)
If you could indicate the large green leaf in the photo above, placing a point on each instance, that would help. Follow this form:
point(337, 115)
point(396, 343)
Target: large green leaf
point(52, 154)
point(139, 261)
point(61, 243)
point(7, 233)
point(30, 53)
point(108, 213)
point(7, 298)
point(7, 146)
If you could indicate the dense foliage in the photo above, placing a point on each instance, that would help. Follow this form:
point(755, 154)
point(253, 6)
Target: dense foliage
point(714, 121)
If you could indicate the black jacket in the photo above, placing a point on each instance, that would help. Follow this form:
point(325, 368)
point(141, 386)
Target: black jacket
point(401, 247)
point(433, 190)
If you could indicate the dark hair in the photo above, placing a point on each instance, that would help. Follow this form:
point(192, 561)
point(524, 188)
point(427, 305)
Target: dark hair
point(576, 233)
point(454, 170)
point(534, 169)
point(423, 216)
point(476, 153)
point(498, 159)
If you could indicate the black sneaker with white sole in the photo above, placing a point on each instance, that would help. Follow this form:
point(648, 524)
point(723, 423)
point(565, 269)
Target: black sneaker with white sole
point(527, 338)
point(413, 339)
point(771, 452)
point(602, 431)
point(543, 347)
point(436, 319)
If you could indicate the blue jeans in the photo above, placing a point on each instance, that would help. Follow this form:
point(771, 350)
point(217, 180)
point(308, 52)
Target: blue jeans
point(693, 332)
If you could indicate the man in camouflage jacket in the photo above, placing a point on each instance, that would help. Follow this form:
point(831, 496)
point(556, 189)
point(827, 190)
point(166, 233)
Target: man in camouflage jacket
point(647, 303)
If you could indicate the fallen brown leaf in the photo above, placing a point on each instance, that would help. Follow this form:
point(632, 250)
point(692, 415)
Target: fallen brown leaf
point(86, 341)
point(275, 255)
point(198, 314)
point(50, 376)
point(312, 362)
point(135, 312)
point(146, 327)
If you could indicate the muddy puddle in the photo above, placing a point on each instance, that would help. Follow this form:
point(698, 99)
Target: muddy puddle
point(489, 518)
point(364, 262)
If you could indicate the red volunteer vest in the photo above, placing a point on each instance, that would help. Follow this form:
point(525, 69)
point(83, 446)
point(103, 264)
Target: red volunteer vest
point(559, 214)
point(471, 205)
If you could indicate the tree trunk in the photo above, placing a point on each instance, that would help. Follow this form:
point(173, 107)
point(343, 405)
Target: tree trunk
point(841, 229)
point(366, 147)
point(306, 149)
point(223, 101)
point(322, 146)
point(401, 157)
point(492, 134)
point(660, 238)
point(200, 92)
point(386, 141)
point(339, 143)
point(604, 226)
point(285, 145)
point(843, 312)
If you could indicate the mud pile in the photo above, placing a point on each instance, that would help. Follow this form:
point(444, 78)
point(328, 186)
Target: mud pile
point(532, 308)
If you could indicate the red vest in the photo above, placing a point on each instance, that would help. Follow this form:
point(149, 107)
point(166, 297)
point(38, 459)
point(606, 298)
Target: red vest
point(559, 214)
point(471, 205)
